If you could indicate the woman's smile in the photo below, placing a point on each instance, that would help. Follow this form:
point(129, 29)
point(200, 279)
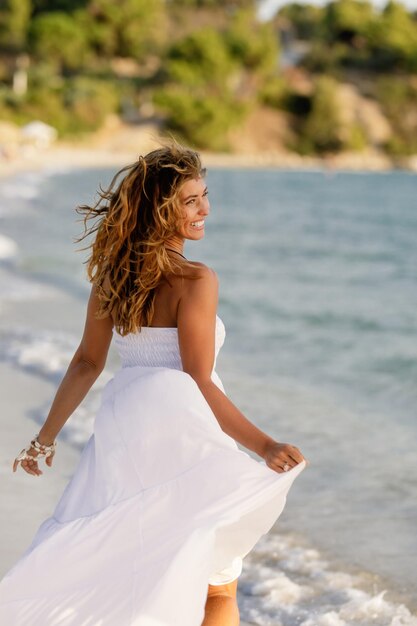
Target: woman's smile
point(196, 207)
point(198, 225)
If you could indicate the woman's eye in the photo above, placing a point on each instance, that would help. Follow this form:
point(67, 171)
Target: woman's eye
point(192, 201)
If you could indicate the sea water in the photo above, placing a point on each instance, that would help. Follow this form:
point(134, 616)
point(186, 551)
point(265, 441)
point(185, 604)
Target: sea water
point(318, 292)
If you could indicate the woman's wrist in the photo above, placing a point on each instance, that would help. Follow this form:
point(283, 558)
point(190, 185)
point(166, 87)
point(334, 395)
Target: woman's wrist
point(45, 438)
point(268, 441)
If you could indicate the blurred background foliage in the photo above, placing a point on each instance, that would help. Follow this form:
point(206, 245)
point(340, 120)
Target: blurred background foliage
point(202, 67)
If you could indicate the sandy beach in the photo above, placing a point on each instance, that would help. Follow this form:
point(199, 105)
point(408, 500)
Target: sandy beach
point(29, 499)
point(120, 144)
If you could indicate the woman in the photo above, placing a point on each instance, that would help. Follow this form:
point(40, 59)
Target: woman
point(152, 528)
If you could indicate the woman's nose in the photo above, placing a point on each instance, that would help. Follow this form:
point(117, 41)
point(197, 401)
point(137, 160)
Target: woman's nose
point(205, 207)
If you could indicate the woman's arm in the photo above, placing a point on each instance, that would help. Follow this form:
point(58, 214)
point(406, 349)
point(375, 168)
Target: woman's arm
point(85, 367)
point(196, 334)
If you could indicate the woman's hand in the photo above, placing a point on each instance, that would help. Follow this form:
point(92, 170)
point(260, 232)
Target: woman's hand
point(282, 457)
point(28, 459)
point(31, 465)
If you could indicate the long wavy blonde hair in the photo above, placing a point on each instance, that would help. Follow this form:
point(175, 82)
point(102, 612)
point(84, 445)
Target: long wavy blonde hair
point(133, 220)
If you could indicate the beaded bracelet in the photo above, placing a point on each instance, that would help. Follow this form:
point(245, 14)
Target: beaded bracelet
point(41, 449)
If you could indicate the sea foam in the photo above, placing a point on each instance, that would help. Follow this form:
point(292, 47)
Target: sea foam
point(47, 354)
point(8, 247)
point(287, 583)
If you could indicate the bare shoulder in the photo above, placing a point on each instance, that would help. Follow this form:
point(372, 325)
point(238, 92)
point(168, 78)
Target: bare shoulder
point(203, 271)
point(204, 277)
point(201, 290)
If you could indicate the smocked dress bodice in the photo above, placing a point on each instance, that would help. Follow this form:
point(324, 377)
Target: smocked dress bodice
point(157, 347)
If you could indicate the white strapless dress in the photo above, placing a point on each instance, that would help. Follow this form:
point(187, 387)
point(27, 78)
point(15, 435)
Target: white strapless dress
point(162, 503)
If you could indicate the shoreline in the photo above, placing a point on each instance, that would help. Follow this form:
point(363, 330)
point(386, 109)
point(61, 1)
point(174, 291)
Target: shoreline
point(119, 150)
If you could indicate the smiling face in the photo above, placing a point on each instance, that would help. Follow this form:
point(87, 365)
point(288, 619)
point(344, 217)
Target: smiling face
point(195, 206)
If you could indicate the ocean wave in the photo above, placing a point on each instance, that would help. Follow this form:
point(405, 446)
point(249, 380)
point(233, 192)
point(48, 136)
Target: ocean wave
point(284, 583)
point(24, 185)
point(47, 354)
point(8, 248)
point(16, 288)
point(19, 191)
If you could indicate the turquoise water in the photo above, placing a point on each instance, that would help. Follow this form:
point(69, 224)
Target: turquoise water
point(318, 292)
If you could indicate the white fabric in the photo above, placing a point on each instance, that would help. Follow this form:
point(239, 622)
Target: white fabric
point(162, 502)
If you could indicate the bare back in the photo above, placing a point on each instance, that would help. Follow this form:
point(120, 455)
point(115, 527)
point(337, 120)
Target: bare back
point(187, 304)
point(167, 298)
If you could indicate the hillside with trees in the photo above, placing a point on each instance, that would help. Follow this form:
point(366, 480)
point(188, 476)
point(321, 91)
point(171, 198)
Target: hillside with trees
point(312, 80)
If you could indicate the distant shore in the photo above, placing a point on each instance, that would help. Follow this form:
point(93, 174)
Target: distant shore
point(121, 147)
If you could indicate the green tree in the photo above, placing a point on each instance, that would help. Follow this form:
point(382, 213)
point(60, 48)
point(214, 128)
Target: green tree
point(200, 59)
point(57, 37)
point(201, 119)
point(398, 98)
point(306, 19)
point(253, 44)
point(347, 19)
point(14, 22)
point(198, 97)
point(393, 38)
point(222, 4)
point(88, 102)
point(321, 130)
point(127, 28)
point(275, 92)
point(48, 6)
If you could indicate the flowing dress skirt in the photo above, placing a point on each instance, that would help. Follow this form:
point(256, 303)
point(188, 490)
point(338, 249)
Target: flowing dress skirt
point(161, 500)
